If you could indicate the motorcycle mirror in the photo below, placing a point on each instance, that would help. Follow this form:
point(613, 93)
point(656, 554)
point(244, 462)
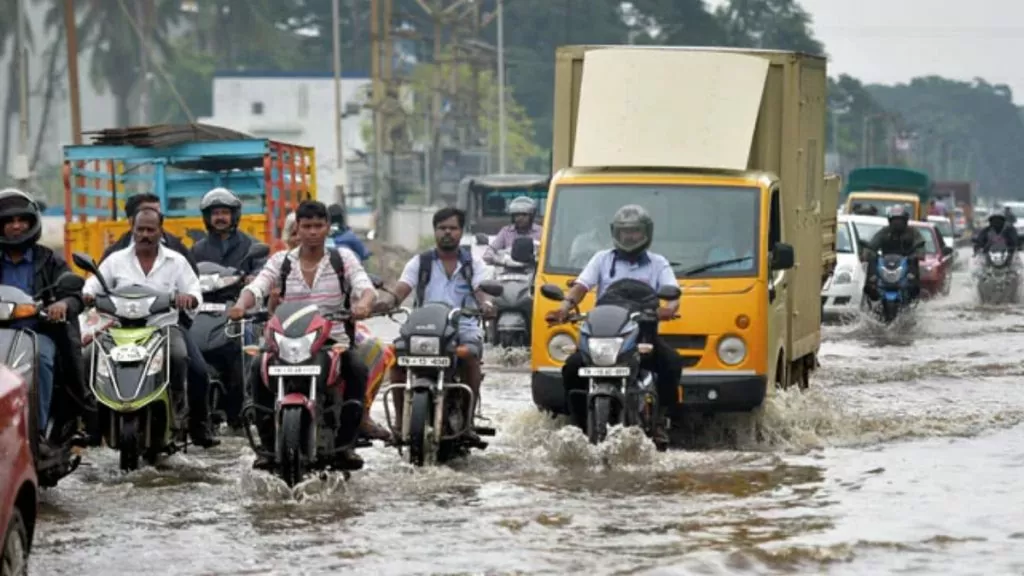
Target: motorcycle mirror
point(669, 292)
point(552, 292)
point(378, 282)
point(42, 205)
point(195, 235)
point(69, 282)
point(85, 262)
point(257, 251)
point(491, 288)
point(947, 251)
point(482, 240)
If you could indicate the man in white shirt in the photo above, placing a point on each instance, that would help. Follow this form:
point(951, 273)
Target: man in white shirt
point(148, 262)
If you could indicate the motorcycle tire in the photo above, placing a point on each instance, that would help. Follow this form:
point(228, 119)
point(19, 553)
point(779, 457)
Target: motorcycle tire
point(890, 310)
point(128, 445)
point(289, 452)
point(598, 419)
point(419, 427)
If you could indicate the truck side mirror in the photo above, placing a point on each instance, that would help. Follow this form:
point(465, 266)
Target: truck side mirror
point(783, 257)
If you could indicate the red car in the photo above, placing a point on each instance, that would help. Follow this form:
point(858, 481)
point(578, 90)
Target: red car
point(18, 485)
point(936, 264)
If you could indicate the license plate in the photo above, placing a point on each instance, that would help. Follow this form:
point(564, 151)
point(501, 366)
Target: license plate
point(293, 370)
point(128, 353)
point(428, 361)
point(596, 372)
point(213, 307)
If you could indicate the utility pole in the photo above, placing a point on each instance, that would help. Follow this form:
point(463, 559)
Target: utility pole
point(378, 124)
point(341, 180)
point(502, 135)
point(142, 17)
point(21, 171)
point(72, 46)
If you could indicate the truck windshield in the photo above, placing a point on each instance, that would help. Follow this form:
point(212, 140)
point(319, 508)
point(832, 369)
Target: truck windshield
point(695, 227)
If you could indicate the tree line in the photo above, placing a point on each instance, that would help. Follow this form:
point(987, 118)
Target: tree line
point(952, 129)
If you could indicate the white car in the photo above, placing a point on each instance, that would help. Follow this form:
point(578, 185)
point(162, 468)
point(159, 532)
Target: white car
point(842, 293)
point(945, 228)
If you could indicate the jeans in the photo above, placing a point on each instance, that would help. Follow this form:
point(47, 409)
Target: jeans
point(47, 357)
point(663, 361)
point(198, 379)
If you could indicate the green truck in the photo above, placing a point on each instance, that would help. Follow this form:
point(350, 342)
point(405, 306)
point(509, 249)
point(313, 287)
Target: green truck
point(873, 190)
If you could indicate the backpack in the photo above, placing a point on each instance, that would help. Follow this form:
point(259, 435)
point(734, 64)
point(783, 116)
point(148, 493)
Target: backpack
point(427, 265)
point(338, 264)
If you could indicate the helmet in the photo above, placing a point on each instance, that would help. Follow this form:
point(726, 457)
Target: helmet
point(897, 211)
point(522, 205)
point(631, 218)
point(220, 198)
point(336, 214)
point(996, 216)
point(14, 202)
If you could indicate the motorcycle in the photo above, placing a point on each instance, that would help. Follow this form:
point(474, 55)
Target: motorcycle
point(998, 280)
point(18, 348)
point(893, 281)
point(514, 307)
point(437, 409)
point(297, 366)
point(612, 342)
point(140, 413)
point(221, 349)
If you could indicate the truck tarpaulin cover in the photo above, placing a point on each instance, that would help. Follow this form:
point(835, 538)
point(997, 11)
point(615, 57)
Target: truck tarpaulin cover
point(715, 99)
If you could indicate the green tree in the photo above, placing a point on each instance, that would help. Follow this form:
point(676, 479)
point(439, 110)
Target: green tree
point(769, 24)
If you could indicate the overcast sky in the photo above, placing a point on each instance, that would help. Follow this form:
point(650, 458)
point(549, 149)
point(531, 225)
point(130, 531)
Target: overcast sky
point(892, 41)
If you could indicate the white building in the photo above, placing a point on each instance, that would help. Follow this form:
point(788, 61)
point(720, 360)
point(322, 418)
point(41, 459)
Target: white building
point(298, 108)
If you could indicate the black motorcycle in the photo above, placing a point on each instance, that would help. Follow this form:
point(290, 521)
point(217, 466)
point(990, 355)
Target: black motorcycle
point(438, 410)
point(222, 346)
point(613, 338)
point(18, 349)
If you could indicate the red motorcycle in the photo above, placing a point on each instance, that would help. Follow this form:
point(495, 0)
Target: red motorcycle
point(297, 366)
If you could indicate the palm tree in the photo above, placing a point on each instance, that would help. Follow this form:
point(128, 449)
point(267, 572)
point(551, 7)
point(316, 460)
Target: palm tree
point(9, 38)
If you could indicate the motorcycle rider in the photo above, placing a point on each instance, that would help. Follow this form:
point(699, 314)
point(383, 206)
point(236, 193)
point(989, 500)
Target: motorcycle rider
point(224, 244)
point(452, 275)
point(632, 231)
point(29, 266)
point(148, 262)
point(342, 235)
point(316, 281)
point(997, 228)
point(896, 238)
point(523, 211)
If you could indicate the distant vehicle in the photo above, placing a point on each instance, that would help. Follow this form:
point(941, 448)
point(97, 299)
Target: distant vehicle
point(19, 488)
point(937, 262)
point(945, 229)
point(842, 293)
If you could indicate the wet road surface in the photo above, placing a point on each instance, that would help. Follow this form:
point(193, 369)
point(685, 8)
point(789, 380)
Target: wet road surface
point(905, 456)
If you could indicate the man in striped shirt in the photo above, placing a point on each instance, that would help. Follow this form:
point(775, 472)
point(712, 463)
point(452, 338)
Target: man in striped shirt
point(313, 279)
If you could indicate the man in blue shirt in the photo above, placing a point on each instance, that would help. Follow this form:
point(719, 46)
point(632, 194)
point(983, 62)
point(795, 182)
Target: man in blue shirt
point(632, 230)
point(342, 235)
point(454, 278)
point(29, 267)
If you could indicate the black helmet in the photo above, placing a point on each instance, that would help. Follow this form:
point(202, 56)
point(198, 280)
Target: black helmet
point(629, 218)
point(996, 216)
point(220, 198)
point(336, 215)
point(14, 202)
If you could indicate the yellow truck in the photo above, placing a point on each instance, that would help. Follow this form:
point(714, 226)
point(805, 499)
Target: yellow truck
point(725, 149)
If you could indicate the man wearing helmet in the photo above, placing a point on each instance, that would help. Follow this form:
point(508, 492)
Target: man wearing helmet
point(896, 238)
point(998, 229)
point(523, 211)
point(224, 244)
point(341, 235)
point(632, 231)
point(30, 267)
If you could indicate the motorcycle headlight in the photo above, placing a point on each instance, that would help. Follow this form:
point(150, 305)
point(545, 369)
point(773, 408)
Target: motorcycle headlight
point(998, 258)
point(560, 347)
point(132, 308)
point(604, 351)
point(102, 365)
point(295, 350)
point(732, 350)
point(424, 345)
point(891, 275)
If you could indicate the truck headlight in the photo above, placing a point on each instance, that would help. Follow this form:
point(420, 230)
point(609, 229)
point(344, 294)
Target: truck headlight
point(732, 350)
point(604, 351)
point(560, 347)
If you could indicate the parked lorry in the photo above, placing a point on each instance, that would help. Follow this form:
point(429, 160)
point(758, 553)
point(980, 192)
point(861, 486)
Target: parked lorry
point(179, 165)
point(873, 190)
point(725, 150)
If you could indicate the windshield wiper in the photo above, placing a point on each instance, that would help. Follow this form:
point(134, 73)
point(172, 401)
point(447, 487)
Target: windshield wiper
point(713, 265)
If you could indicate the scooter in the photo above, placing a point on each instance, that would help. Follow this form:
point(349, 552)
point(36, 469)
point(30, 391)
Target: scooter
point(438, 410)
point(998, 280)
point(515, 271)
point(18, 349)
point(612, 343)
point(140, 413)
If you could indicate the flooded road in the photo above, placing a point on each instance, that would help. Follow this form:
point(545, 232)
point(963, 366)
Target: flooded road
point(905, 456)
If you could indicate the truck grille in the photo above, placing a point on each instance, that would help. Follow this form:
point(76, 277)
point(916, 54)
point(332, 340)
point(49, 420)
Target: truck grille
point(685, 341)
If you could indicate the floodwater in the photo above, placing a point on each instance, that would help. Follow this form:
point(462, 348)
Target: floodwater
point(906, 456)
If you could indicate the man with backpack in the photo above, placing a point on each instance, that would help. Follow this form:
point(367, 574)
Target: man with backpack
point(447, 273)
point(332, 280)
